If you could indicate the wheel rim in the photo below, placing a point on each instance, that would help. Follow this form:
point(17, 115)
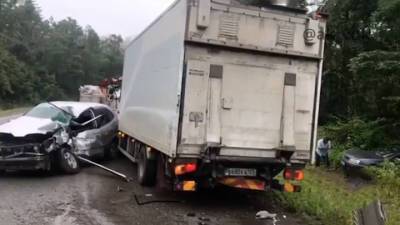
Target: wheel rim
point(71, 161)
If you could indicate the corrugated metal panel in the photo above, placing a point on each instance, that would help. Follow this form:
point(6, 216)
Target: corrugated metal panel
point(229, 26)
point(286, 35)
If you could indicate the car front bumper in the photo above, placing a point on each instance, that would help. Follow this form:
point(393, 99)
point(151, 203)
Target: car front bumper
point(347, 164)
point(26, 163)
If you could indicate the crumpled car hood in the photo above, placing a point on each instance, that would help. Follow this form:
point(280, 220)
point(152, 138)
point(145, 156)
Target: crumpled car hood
point(26, 125)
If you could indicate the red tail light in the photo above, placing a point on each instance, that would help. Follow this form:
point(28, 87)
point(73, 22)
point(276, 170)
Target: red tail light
point(291, 174)
point(288, 174)
point(299, 175)
point(185, 168)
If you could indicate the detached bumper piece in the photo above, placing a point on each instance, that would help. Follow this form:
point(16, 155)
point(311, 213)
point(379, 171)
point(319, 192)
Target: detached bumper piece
point(243, 183)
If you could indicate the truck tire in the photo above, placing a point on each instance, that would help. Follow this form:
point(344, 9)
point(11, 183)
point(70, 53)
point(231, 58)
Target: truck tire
point(147, 168)
point(68, 162)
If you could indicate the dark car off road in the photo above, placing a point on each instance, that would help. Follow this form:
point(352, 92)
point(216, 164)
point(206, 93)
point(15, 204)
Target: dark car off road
point(356, 158)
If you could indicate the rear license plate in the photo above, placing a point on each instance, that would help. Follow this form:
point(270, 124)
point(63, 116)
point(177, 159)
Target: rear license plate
point(240, 172)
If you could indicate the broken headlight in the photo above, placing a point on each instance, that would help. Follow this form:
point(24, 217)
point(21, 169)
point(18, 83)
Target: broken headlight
point(36, 148)
point(49, 144)
point(354, 161)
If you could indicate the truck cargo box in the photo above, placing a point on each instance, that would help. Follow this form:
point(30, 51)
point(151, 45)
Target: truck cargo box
point(234, 87)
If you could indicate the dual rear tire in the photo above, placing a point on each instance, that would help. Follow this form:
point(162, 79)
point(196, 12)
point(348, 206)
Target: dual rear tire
point(147, 167)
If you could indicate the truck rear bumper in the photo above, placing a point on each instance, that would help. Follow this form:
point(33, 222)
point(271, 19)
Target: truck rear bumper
point(212, 171)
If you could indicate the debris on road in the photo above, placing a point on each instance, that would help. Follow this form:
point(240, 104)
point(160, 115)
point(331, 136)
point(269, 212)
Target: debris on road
point(205, 219)
point(119, 189)
point(127, 179)
point(149, 199)
point(191, 214)
point(265, 215)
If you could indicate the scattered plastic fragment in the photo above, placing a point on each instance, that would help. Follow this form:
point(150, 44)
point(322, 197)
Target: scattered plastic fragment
point(265, 215)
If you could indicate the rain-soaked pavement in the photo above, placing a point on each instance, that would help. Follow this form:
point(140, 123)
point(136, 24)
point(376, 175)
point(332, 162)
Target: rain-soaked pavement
point(95, 197)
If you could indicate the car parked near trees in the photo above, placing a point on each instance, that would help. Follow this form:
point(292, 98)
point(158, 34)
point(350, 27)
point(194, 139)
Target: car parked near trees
point(357, 158)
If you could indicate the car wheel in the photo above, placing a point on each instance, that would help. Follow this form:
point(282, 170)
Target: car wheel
point(68, 162)
point(147, 168)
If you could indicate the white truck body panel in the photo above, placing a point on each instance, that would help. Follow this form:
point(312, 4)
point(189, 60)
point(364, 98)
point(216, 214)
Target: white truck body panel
point(152, 80)
point(248, 78)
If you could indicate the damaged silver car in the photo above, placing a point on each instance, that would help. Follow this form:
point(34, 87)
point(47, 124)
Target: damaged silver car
point(52, 134)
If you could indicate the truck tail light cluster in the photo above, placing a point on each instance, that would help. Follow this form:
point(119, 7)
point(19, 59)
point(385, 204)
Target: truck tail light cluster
point(293, 174)
point(185, 168)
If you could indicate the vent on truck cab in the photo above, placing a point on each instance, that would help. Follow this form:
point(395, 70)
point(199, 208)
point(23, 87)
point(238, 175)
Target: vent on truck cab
point(229, 26)
point(286, 35)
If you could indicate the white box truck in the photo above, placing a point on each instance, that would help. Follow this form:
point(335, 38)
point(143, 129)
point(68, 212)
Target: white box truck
point(216, 92)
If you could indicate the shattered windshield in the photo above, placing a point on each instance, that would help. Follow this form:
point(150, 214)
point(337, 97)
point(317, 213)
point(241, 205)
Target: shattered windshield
point(47, 111)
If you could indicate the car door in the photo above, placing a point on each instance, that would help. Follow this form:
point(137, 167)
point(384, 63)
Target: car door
point(106, 125)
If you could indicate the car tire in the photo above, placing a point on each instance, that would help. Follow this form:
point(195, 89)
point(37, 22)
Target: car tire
point(147, 168)
point(68, 161)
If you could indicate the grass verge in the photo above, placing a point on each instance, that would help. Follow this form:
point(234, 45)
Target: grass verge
point(331, 199)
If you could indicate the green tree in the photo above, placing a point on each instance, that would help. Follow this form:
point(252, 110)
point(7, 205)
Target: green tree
point(112, 63)
point(49, 60)
point(350, 32)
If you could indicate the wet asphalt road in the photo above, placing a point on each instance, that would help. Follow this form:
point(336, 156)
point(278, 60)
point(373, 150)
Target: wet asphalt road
point(95, 197)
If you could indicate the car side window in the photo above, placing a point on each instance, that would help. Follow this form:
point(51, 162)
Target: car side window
point(105, 116)
point(83, 118)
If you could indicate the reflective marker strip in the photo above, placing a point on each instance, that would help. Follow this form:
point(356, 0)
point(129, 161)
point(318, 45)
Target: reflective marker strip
point(243, 183)
point(189, 186)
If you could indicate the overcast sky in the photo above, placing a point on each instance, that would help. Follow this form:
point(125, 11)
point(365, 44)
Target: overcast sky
point(125, 17)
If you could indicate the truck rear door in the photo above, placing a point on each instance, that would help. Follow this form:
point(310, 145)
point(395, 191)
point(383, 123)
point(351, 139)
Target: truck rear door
point(248, 110)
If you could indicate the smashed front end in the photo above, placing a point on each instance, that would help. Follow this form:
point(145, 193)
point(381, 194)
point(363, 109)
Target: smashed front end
point(25, 153)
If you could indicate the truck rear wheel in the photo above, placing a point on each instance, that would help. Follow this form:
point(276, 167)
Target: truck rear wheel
point(147, 168)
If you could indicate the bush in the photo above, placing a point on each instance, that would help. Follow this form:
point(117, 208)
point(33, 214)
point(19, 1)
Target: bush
point(388, 179)
point(357, 133)
point(328, 197)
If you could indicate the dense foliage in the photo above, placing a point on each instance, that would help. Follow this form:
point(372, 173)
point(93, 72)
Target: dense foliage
point(362, 66)
point(46, 60)
point(360, 103)
point(332, 199)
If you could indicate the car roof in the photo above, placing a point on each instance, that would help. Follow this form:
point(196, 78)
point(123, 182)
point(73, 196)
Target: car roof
point(78, 107)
